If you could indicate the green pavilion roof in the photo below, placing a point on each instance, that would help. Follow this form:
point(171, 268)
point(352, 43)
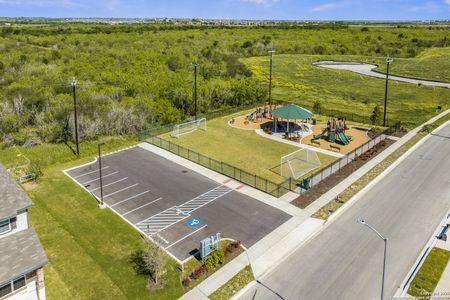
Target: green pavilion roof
point(292, 112)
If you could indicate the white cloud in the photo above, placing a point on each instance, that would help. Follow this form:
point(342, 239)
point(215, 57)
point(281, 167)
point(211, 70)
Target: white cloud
point(326, 6)
point(263, 2)
point(447, 1)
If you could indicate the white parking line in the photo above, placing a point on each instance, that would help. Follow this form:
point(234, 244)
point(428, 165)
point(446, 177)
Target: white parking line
point(141, 207)
point(104, 176)
point(105, 185)
point(128, 187)
point(186, 236)
point(129, 198)
point(89, 172)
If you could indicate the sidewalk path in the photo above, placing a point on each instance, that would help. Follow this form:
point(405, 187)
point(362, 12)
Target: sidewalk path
point(343, 185)
point(367, 69)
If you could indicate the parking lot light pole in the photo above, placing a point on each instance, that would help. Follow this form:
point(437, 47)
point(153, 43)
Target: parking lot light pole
point(195, 90)
point(73, 83)
point(385, 253)
point(102, 205)
point(271, 52)
point(389, 60)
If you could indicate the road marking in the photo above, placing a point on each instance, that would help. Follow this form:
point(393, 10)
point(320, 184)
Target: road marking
point(186, 236)
point(105, 185)
point(89, 172)
point(129, 198)
point(240, 187)
point(178, 213)
point(141, 207)
point(163, 239)
point(99, 178)
point(121, 190)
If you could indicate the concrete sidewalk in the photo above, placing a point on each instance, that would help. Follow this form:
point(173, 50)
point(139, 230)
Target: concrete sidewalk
point(263, 256)
point(343, 185)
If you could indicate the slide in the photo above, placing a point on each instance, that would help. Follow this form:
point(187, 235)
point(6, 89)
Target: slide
point(319, 136)
point(332, 137)
point(343, 138)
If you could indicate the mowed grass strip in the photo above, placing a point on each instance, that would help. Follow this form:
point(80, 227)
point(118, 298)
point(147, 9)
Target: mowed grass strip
point(426, 280)
point(88, 248)
point(240, 148)
point(236, 283)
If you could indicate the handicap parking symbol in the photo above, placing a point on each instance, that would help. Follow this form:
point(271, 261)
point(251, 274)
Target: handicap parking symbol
point(193, 222)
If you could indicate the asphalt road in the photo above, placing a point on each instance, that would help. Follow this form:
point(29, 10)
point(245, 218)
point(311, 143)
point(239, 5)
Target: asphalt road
point(345, 260)
point(162, 199)
point(367, 69)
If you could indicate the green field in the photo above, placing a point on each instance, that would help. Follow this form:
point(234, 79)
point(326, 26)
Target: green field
point(243, 149)
point(88, 248)
point(296, 80)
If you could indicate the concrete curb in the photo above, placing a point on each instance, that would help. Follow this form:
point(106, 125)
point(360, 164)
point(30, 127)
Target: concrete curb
point(358, 195)
point(404, 286)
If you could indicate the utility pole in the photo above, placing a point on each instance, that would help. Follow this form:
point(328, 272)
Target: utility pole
point(271, 52)
point(195, 90)
point(75, 116)
point(102, 205)
point(389, 60)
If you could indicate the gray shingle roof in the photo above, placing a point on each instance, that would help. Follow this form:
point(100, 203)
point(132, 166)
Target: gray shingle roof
point(20, 253)
point(12, 197)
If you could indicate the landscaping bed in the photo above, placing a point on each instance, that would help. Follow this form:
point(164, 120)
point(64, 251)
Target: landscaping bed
point(318, 190)
point(196, 272)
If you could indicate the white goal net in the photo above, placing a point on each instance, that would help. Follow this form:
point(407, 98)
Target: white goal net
point(188, 127)
point(299, 163)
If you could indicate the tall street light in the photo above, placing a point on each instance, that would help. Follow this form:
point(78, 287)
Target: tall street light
point(271, 52)
point(73, 83)
point(195, 90)
point(385, 253)
point(102, 205)
point(389, 60)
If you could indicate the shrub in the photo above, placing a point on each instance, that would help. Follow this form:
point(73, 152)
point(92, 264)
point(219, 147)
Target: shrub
point(211, 261)
point(186, 281)
point(220, 256)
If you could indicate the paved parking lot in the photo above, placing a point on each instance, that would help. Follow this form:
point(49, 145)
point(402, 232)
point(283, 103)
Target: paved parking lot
point(173, 205)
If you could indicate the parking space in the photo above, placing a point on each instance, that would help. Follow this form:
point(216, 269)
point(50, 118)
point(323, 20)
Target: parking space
point(173, 205)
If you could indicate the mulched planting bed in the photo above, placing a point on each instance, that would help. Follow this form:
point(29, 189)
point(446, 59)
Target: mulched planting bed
point(318, 190)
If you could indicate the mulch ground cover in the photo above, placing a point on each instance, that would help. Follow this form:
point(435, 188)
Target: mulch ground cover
point(318, 190)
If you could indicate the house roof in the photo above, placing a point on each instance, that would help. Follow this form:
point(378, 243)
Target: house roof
point(292, 112)
point(20, 253)
point(12, 196)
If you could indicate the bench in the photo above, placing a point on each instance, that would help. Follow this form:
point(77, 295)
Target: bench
point(335, 148)
point(315, 142)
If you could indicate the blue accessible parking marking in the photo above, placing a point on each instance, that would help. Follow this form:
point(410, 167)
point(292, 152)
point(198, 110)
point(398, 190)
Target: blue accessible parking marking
point(193, 222)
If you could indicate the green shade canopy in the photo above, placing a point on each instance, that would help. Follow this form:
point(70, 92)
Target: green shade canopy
point(292, 112)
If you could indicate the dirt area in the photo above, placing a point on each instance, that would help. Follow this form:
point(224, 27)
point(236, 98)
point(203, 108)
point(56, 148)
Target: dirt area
point(358, 135)
point(241, 123)
point(315, 192)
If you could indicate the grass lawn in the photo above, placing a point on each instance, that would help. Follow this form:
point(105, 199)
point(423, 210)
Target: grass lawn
point(236, 283)
point(296, 80)
point(88, 248)
point(240, 148)
point(425, 281)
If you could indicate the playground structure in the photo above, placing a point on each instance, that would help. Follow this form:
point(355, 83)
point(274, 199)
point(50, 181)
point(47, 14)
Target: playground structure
point(334, 132)
point(260, 113)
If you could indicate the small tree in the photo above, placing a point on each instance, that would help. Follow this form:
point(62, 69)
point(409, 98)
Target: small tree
point(376, 114)
point(154, 261)
point(317, 107)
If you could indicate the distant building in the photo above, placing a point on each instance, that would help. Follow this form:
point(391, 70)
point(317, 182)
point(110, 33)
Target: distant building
point(21, 254)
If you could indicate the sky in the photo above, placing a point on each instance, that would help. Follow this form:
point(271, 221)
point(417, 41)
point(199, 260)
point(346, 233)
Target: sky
point(232, 9)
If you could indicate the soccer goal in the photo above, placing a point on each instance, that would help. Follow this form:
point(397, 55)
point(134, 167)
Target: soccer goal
point(188, 127)
point(299, 163)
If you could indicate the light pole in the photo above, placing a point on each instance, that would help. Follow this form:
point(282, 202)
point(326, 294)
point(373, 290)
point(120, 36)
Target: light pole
point(271, 52)
point(385, 253)
point(102, 205)
point(195, 90)
point(389, 60)
point(75, 116)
